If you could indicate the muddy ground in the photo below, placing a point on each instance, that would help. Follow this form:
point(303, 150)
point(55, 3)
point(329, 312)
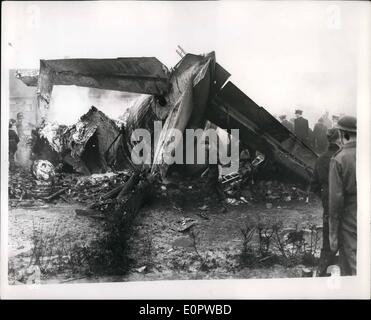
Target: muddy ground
point(210, 249)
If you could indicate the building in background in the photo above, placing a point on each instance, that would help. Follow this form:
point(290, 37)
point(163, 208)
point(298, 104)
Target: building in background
point(23, 99)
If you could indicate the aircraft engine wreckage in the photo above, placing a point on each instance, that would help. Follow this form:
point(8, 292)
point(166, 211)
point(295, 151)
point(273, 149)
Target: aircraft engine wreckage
point(196, 91)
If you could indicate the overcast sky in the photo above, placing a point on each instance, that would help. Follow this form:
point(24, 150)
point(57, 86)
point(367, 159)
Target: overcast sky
point(283, 55)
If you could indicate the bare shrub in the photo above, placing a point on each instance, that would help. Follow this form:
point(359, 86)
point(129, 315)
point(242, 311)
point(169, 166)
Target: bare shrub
point(44, 246)
point(277, 246)
point(247, 255)
point(265, 233)
point(312, 249)
point(194, 238)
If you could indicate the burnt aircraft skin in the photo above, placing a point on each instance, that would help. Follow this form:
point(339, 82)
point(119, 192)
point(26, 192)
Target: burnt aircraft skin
point(214, 98)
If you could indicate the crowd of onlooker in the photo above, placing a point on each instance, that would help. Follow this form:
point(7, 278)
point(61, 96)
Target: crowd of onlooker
point(334, 180)
point(316, 138)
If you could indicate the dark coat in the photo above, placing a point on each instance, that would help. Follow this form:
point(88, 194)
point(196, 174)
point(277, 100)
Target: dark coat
point(343, 207)
point(13, 141)
point(320, 137)
point(320, 180)
point(301, 129)
point(320, 186)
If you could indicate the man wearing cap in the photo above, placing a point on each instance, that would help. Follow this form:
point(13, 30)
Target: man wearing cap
point(286, 123)
point(301, 127)
point(320, 186)
point(343, 198)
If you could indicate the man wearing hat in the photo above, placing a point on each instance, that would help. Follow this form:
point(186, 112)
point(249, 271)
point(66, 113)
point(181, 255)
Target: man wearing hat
point(320, 186)
point(343, 198)
point(286, 123)
point(301, 127)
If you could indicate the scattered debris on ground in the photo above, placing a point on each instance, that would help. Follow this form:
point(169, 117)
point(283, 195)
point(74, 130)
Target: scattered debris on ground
point(26, 191)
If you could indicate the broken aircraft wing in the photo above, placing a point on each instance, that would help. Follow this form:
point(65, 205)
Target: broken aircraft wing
point(231, 108)
point(137, 75)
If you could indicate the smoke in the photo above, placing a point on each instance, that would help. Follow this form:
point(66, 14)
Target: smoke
point(69, 103)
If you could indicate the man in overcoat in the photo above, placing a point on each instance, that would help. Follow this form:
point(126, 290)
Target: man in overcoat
point(301, 127)
point(320, 186)
point(343, 198)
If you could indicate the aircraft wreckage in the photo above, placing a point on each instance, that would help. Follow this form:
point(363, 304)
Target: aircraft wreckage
point(194, 93)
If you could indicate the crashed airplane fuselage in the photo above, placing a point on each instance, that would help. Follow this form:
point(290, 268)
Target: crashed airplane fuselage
point(194, 91)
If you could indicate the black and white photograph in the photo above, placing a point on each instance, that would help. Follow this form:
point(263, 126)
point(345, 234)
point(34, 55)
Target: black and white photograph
point(199, 149)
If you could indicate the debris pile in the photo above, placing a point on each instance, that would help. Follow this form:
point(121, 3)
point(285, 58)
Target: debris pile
point(90, 162)
point(90, 189)
point(21, 184)
point(274, 190)
point(26, 190)
point(196, 92)
point(87, 147)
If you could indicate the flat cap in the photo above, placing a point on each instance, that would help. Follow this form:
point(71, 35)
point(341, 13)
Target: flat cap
point(298, 111)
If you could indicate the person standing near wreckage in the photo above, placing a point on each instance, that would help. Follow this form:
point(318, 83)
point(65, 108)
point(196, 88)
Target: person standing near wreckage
point(213, 185)
point(13, 142)
point(343, 198)
point(320, 140)
point(19, 125)
point(245, 168)
point(320, 186)
point(301, 127)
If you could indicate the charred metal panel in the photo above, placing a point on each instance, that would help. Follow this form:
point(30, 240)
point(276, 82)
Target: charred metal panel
point(221, 76)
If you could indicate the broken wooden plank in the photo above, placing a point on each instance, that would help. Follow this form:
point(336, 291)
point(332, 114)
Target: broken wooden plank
point(55, 194)
point(113, 193)
point(129, 185)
